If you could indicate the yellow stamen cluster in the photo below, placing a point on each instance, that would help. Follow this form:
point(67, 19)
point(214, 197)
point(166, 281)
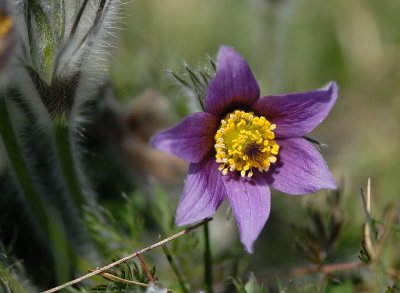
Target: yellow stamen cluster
point(245, 141)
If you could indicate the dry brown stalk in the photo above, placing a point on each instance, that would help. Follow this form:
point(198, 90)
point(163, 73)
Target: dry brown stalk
point(146, 269)
point(129, 257)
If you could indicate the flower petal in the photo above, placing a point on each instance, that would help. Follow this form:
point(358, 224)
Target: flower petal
point(250, 200)
point(233, 86)
point(191, 139)
point(300, 168)
point(298, 113)
point(203, 193)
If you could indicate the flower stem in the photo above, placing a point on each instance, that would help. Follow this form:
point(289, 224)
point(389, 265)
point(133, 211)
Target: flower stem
point(207, 261)
point(174, 267)
point(47, 218)
point(19, 166)
point(63, 145)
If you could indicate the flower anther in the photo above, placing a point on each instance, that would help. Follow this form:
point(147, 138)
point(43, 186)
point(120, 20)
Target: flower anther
point(245, 141)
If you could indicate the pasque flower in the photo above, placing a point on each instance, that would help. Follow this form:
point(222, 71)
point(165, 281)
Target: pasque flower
point(243, 143)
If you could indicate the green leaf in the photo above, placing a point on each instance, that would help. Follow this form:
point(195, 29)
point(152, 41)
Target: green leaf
point(44, 45)
point(238, 284)
point(363, 254)
point(162, 210)
point(253, 286)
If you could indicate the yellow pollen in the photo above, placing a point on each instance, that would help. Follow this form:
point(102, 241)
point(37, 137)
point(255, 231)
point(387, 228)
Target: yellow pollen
point(245, 141)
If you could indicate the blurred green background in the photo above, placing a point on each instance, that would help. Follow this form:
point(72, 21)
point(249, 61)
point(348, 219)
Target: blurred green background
point(291, 46)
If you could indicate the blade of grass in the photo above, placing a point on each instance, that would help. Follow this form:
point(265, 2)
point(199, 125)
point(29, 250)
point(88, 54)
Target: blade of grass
point(174, 267)
point(368, 217)
point(207, 261)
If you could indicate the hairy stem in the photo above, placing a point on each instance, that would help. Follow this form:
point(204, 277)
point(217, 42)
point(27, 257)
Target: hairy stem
point(68, 168)
point(19, 166)
point(48, 218)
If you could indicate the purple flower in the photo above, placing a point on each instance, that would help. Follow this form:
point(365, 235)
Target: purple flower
point(244, 143)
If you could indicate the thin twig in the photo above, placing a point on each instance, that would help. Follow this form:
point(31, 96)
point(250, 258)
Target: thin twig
point(332, 268)
point(114, 278)
point(146, 269)
point(129, 257)
point(327, 269)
